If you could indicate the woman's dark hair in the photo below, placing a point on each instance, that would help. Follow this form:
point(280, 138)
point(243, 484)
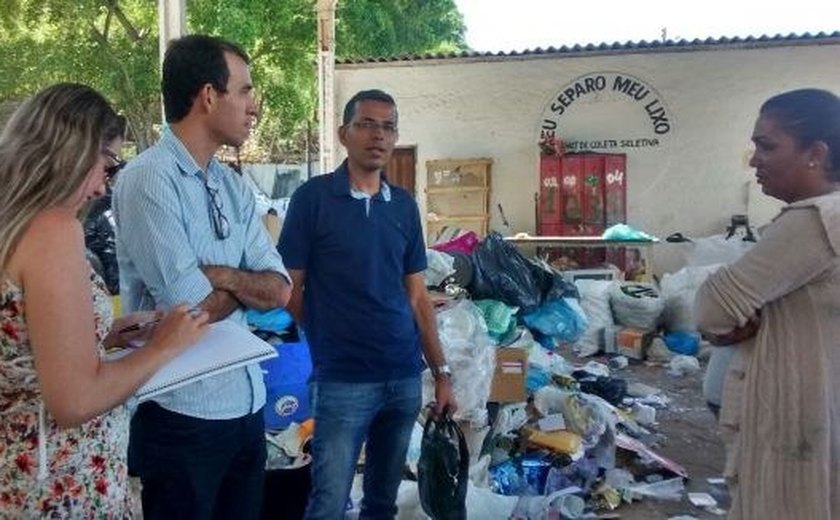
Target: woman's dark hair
point(190, 63)
point(810, 115)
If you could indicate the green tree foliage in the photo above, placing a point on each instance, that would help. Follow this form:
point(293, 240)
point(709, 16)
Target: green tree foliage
point(108, 45)
point(280, 38)
point(377, 28)
point(113, 46)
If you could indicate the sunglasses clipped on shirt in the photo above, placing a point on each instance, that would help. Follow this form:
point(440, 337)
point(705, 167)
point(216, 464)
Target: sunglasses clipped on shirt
point(221, 226)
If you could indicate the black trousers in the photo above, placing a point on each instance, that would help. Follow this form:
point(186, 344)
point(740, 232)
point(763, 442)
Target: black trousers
point(196, 468)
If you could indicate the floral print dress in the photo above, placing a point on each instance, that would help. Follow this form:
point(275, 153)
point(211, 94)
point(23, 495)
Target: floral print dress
point(47, 471)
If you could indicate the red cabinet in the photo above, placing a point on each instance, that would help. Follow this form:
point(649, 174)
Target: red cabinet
point(615, 189)
point(549, 209)
point(582, 192)
point(582, 195)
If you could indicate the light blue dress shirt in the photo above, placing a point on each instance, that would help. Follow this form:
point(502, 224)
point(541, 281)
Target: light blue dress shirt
point(165, 233)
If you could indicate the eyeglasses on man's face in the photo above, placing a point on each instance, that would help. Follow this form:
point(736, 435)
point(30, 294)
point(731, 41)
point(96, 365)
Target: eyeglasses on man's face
point(116, 165)
point(221, 226)
point(388, 128)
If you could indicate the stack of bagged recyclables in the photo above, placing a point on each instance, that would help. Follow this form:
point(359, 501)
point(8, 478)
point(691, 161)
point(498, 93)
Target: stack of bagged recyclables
point(565, 452)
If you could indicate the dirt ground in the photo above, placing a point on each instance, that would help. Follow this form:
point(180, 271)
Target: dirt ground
point(690, 439)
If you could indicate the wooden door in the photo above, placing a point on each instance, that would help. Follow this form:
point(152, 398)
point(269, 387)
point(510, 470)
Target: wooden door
point(401, 169)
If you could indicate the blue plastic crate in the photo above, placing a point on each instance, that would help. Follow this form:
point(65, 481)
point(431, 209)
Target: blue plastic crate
point(286, 376)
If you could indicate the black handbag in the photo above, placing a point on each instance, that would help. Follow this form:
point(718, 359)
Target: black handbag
point(443, 470)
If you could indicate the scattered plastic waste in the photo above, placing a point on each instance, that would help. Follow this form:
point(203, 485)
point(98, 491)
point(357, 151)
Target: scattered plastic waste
point(702, 500)
point(612, 389)
point(618, 362)
point(595, 302)
point(581, 474)
point(644, 414)
point(681, 365)
point(636, 305)
point(470, 351)
point(641, 390)
point(683, 342)
point(658, 351)
point(537, 378)
point(561, 318)
point(671, 489)
point(625, 232)
point(523, 477)
point(500, 318)
point(552, 422)
point(597, 369)
point(440, 267)
point(618, 478)
point(286, 447)
point(560, 441)
point(464, 244)
point(568, 505)
point(628, 443)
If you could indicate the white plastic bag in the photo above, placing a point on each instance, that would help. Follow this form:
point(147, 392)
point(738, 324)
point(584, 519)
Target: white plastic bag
point(470, 353)
point(641, 311)
point(595, 302)
point(678, 291)
point(716, 249)
point(681, 365)
point(440, 266)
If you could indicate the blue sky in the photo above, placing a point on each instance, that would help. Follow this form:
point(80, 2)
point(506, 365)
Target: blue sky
point(494, 25)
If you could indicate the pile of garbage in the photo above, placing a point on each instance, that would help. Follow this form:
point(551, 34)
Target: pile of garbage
point(547, 431)
point(577, 439)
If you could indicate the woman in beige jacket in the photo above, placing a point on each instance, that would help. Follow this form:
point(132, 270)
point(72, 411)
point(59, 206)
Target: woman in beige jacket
point(781, 300)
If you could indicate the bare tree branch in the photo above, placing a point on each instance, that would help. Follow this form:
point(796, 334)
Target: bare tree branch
point(129, 28)
point(107, 23)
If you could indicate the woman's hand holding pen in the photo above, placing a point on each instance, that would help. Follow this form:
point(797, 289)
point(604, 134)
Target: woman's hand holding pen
point(132, 328)
point(178, 329)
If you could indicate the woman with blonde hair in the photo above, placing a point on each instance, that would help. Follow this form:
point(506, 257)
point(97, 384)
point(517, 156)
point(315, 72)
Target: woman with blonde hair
point(63, 431)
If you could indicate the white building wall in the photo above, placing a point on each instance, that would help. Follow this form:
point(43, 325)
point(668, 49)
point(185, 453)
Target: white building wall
point(692, 182)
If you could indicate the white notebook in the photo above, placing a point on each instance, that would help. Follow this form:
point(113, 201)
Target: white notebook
point(224, 347)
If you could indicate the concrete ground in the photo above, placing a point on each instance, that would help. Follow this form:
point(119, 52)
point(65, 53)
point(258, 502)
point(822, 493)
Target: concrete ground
point(690, 439)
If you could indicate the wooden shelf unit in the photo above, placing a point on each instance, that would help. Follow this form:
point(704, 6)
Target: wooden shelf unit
point(457, 195)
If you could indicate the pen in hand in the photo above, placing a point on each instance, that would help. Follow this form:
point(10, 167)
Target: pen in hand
point(142, 325)
point(137, 326)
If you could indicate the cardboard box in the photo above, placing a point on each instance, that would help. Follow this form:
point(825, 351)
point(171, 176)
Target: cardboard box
point(508, 385)
point(633, 342)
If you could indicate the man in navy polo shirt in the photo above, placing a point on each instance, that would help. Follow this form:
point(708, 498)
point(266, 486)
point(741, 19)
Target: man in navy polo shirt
point(354, 248)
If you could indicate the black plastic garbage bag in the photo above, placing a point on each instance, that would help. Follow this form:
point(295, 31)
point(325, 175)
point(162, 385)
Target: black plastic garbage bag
point(100, 239)
point(552, 285)
point(503, 273)
point(443, 470)
point(463, 266)
point(611, 389)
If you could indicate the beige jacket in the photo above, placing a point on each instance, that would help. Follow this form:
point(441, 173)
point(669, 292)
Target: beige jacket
point(781, 403)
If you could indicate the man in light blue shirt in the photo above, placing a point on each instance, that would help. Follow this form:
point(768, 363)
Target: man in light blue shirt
point(187, 230)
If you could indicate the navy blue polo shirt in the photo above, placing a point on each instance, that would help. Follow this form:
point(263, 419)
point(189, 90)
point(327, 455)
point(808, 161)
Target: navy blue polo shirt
point(356, 252)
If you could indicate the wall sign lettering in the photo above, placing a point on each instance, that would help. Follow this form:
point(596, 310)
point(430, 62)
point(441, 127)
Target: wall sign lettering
point(607, 110)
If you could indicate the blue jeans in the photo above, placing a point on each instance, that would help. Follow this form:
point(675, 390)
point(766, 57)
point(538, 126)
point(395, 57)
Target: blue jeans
point(346, 415)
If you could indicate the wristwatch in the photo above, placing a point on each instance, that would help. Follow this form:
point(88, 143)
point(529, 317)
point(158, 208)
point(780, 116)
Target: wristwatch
point(441, 371)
